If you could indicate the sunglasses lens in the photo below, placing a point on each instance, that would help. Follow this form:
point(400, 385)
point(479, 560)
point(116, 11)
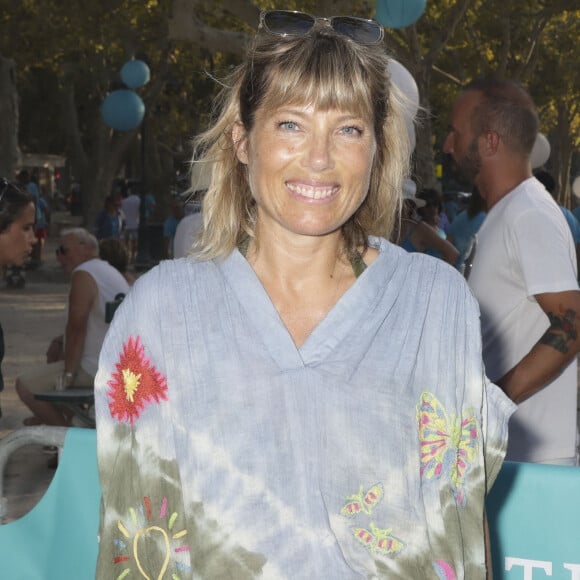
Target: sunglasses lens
point(286, 22)
point(358, 29)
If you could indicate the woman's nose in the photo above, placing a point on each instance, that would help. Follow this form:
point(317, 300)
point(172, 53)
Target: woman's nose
point(318, 154)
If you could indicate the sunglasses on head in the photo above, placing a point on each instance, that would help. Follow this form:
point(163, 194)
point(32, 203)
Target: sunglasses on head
point(291, 23)
point(6, 186)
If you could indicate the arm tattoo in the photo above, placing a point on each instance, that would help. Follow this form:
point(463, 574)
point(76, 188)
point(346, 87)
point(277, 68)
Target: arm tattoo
point(561, 332)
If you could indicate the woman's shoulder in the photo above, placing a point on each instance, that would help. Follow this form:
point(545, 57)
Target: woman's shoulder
point(169, 273)
point(421, 266)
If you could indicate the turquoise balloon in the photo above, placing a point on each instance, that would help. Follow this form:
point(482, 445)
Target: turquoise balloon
point(399, 13)
point(123, 110)
point(135, 74)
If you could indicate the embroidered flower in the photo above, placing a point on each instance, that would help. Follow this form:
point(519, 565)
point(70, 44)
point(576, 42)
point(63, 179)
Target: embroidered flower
point(135, 384)
point(144, 529)
point(444, 570)
point(447, 442)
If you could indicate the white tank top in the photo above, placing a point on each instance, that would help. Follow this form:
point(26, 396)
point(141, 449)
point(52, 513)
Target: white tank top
point(110, 282)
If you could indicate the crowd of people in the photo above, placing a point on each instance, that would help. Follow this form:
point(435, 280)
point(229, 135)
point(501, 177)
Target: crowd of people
point(325, 380)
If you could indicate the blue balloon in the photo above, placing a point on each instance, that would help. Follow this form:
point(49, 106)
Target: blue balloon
point(135, 74)
point(399, 13)
point(123, 110)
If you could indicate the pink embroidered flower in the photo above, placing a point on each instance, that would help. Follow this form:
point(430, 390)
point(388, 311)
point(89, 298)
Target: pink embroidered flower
point(444, 570)
point(135, 384)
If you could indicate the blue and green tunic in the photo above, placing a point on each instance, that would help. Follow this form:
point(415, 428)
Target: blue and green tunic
point(226, 452)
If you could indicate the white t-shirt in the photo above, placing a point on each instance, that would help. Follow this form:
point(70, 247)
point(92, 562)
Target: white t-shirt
point(524, 248)
point(131, 206)
point(185, 234)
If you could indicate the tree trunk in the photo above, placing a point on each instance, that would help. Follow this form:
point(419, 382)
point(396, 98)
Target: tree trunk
point(562, 148)
point(9, 115)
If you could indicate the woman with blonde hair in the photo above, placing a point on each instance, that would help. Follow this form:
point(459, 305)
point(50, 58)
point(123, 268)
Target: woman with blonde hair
point(282, 403)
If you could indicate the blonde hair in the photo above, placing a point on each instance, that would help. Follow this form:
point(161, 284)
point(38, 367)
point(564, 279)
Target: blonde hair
point(322, 69)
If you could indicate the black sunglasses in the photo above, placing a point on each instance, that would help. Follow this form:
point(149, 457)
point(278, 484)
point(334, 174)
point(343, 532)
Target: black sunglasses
point(291, 23)
point(61, 250)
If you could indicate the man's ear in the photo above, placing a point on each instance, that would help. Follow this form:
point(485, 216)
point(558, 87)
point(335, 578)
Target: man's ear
point(491, 142)
point(240, 140)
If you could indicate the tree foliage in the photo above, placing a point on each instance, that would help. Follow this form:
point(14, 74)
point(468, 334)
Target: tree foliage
point(68, 56)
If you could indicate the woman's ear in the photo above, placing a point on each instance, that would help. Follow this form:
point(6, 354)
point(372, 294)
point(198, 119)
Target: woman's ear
point(240, 140)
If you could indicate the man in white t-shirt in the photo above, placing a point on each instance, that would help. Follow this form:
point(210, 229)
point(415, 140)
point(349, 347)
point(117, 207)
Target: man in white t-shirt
point(73, 355)
point(523, 271)
point(131, 206)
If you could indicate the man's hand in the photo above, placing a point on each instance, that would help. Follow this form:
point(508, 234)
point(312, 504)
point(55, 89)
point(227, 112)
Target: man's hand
point(55, 351)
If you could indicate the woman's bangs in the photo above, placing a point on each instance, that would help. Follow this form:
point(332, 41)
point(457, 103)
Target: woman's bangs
point(321, 81)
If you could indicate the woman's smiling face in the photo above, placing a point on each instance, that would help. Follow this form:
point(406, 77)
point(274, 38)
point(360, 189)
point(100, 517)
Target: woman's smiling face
point(308, 170)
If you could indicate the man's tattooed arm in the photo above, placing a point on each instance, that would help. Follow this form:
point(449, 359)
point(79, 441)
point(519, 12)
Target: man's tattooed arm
point(562, 331)
point(553, 351)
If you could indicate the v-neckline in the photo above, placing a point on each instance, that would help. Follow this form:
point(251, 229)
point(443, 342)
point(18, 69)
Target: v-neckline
point(332, 330)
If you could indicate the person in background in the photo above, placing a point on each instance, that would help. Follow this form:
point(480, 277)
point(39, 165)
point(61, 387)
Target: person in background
point(417, 236)
point(523, 270)
point(17, 217)
point(112, 250)
point(109, 222)
point(170, 226)
point(464, 227)
point(432, 212)
point(307, 398)
point(74, 354)
point(150, 205)
point(548, 181)
point(185, 234)
point(42, 221)
point(451, 207)
point(30, 184)
point(131, 206)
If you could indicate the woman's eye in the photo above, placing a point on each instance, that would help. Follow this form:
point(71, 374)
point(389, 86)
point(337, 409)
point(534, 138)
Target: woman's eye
point(352, 130)
point(289, 125)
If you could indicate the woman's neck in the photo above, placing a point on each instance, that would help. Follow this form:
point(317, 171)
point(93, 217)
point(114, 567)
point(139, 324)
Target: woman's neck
point(304, 281)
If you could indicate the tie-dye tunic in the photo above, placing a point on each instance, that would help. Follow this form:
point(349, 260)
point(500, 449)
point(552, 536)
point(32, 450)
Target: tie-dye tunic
point(225, 452)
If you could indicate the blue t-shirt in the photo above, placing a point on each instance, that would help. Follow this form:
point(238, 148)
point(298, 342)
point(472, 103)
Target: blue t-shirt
point(573, 223)
point(462, 230)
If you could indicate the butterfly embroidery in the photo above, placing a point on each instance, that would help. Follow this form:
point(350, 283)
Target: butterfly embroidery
point(446, 443)
point(378, 540)
point(363, 502)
